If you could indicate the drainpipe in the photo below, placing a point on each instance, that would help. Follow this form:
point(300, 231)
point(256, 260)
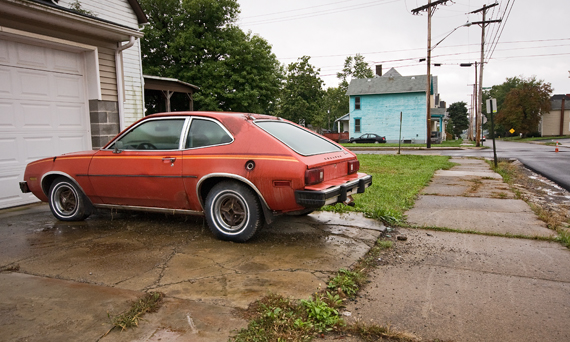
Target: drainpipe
point(120, 83)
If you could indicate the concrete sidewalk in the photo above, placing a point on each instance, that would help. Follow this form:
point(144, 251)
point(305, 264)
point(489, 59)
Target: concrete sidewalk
point(468, 287)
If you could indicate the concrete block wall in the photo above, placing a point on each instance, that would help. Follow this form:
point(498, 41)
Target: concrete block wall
point(380, 114)
point(104, 116)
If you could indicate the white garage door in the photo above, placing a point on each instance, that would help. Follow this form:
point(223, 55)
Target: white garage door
point(43, 111)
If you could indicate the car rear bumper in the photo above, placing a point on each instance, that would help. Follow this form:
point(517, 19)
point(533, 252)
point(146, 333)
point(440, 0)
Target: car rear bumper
point(332, 195)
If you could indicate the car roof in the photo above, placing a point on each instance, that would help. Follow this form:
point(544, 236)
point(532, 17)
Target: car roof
point(215, 115)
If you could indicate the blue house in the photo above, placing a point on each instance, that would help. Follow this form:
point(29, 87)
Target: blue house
point(376, 103)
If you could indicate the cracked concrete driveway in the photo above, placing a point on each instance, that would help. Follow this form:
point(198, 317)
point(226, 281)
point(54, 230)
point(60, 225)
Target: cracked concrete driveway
point(204, 279)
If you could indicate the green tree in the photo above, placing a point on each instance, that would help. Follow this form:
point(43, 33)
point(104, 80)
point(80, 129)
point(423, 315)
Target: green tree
point(198, 42)
point(524, 105)
point(335, 105)
point(459, 119)
point(499, 92)
point(302, 95)
point(354, 67)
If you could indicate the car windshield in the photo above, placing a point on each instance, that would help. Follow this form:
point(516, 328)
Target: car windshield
point(299, 140)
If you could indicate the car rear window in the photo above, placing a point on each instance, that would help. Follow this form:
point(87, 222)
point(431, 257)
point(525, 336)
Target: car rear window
point(299, 140)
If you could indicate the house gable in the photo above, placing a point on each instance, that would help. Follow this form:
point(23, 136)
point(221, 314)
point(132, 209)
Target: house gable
point(382, 98)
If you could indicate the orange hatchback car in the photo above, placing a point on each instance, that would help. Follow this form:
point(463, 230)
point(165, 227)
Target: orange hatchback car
point(239, 170)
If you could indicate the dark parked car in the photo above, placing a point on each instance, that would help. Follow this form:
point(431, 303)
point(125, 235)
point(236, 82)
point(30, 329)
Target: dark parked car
point(368, 138)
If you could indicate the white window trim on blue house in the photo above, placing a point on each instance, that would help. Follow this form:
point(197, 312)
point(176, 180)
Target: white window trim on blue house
point(359, 125)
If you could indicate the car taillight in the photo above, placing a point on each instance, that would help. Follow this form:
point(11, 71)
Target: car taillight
point(353, 166)
point(314, 176)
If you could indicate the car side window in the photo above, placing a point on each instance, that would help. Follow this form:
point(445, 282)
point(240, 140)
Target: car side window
point(154, 135)
point(206, 133)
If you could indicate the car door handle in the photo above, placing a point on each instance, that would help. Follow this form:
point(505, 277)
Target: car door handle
point(170, 160)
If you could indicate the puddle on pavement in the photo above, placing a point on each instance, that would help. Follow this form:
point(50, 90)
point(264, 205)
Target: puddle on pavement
point(179, 256)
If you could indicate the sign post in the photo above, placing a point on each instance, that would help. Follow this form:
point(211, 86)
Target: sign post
point(400, 139)
point(492, 109)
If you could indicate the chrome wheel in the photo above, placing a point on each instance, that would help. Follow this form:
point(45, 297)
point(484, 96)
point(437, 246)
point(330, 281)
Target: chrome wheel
point(233, 211)
point(230, 211)
point(66, 201)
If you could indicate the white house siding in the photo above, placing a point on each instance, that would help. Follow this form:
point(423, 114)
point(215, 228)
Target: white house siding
point(134, 87)
point(120, 12)
point(117, 11)
point(107, 74)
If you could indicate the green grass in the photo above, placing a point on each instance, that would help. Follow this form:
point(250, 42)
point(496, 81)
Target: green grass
point(396, 181)
point(519, 139)
point(447, 143)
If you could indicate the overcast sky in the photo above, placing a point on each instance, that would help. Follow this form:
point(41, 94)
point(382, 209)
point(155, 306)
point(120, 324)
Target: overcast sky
point(533, 39)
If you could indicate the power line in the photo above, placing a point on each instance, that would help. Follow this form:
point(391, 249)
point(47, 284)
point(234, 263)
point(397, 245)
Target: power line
point(442, 47)
point(312, 15)
point(294, 10)
point(503, 24)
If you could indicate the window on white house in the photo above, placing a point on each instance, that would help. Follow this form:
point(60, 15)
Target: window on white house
point(357, 102)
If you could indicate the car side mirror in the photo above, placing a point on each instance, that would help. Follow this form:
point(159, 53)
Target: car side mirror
point(118, 147)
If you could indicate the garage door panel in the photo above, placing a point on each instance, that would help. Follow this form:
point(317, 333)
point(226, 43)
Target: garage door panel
point(6, 83)
point(9, 148)
point(69, 143)
point(4, 55)
point(67, 62)
point(39, 147)
point(7, 116)
point(36, 115)
point(33, 85)
point(70, 117)
point(30, 56)
point(68, 88)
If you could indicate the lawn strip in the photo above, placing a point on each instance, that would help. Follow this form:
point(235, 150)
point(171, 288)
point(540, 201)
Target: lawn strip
point(396, 181)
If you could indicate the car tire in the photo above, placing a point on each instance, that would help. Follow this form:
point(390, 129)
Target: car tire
point(67, 202)
point(376, 141)
point(354, 142)
point(233, 211)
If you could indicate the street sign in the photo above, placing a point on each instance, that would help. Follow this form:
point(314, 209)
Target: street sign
point(512, 130)
point(491, 106)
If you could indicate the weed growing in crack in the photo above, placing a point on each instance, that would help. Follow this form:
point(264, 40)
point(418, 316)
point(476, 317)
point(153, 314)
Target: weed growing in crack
point(150, 302)
point(346, 282)
point(320, 316)
point(385, 244)
point(564, 237)
point(276, 318)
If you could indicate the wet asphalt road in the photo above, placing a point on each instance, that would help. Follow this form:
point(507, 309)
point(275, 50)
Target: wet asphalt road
point(539, 158)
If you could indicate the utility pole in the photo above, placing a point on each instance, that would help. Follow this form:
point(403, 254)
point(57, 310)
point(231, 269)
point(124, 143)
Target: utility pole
point(483, 24)
point(430, 9)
